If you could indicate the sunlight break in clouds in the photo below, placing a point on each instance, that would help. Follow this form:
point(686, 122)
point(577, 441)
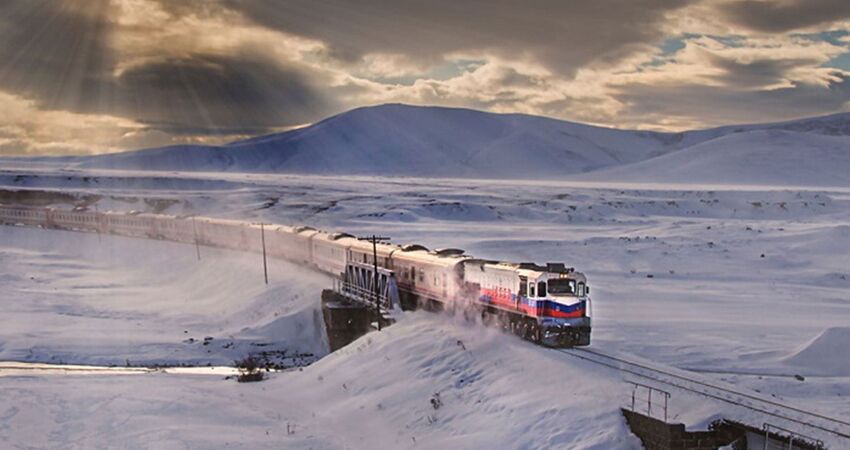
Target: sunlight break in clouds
point(27, 130)
point(80, 76)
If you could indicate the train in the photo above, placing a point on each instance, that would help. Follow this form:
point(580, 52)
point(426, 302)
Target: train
point(548, 303)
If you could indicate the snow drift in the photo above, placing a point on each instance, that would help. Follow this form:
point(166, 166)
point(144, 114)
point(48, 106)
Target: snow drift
point(825, 354)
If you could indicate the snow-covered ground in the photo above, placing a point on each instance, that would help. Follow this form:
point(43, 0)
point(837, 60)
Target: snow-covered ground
point(79, 298)
point(748, 284)
point(491, 391)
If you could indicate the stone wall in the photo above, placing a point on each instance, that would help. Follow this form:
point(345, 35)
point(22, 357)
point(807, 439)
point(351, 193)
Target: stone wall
point(659, 435)
point(344, 321)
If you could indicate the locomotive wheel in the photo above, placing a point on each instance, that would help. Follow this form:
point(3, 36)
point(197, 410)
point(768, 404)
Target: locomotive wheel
point(531, 332)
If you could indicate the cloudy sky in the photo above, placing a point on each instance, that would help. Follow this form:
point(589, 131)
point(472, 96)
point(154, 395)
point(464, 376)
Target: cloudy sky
point(93, 76)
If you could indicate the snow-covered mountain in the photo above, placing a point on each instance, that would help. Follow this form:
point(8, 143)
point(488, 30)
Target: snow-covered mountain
point(409, 140)
point(402, 140)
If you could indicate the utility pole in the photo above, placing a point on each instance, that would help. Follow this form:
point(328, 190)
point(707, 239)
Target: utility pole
point(265, 265)
point(377, 298)
point(97, 222)
point(195, 232)
point(375, 240)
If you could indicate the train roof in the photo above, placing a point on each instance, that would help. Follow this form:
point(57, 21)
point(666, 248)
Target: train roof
point(27, 208)
point(341, 239)
point(422, 256)
point(305, 231)
point(217, 220)
point(549, 267)
point(449, 252)
point(413, 247)
point(279, 227)
point(365, 246)
point(528, 269)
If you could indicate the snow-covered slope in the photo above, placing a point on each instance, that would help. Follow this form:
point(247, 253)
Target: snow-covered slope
point(822, 354)
point(84, 299)
point(763, 157)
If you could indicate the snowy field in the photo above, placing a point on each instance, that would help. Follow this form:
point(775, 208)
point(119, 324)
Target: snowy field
point(82, 299)
point(745, 284)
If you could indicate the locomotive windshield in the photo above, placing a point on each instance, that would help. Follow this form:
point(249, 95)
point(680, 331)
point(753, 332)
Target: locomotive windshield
point(562, 286)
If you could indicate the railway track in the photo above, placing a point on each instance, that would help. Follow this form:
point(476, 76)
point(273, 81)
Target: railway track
point(690, 382)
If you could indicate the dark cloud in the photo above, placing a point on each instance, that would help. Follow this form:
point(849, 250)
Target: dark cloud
point(751, 89)
point(56, 52)
point(562, 34)
point(235, 94)
point(756, 72)
point(711, 105)
point(781, 16)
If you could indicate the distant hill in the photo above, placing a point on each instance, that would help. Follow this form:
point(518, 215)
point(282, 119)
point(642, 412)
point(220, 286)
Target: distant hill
point(402, 140)
point(776, 157)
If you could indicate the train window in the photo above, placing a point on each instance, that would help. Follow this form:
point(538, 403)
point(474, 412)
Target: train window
point(421, 276)
point(581, 289)
point(523, 288)
point(531, 290)
point(541, 288)
point(562, 286)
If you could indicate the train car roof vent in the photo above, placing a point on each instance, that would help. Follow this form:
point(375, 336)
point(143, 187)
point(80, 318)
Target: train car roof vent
point(531, 266)
point(338, 236)
point(558, 268)
point(449, 252)
point(413, 248)
point(301, 228)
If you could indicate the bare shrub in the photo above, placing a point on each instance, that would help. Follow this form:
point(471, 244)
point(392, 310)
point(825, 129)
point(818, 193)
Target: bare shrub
point(249, 370)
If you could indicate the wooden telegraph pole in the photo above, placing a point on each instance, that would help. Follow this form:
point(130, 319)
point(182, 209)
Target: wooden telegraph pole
point(195, 232)
point(375, 240)
point(377, 293)
point(97, 221)
point(265, 264)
